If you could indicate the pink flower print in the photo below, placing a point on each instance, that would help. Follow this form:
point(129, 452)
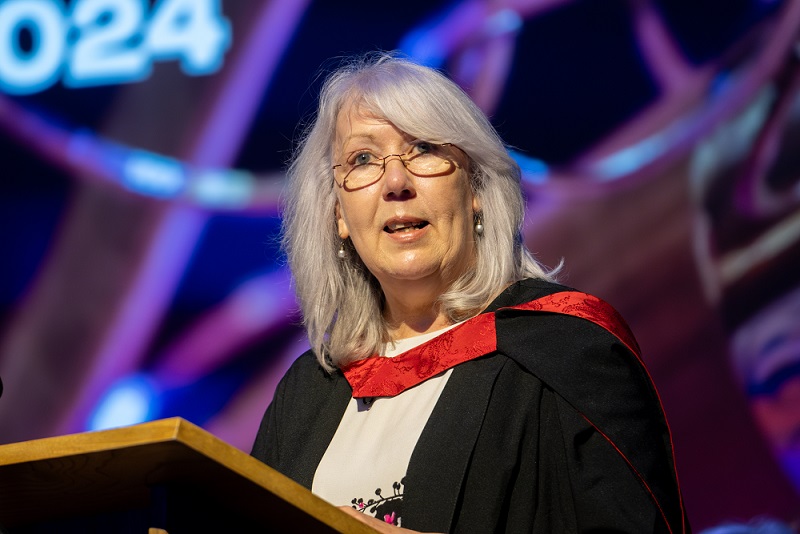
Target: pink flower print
point(390, 518)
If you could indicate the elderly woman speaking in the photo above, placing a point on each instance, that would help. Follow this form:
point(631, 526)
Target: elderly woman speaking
point(451, 385)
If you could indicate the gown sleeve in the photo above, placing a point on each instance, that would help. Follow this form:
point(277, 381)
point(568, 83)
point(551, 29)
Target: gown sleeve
point(301, 420)
point(617, 443)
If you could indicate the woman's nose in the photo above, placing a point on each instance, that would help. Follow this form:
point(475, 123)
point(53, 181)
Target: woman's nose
point(396, 178)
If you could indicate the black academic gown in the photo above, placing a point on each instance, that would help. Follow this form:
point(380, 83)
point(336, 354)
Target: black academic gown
point(559, 430)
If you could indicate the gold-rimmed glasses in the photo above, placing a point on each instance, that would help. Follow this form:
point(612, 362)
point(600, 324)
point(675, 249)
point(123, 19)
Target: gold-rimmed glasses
point(363, 168)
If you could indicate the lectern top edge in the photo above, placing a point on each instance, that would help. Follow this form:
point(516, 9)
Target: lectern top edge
point(97, 441)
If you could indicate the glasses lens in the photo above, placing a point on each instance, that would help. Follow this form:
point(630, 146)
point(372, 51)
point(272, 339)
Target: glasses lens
point(434, 161)
point(362, 175)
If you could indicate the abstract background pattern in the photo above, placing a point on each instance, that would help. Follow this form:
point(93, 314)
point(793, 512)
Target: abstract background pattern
point(143, 148)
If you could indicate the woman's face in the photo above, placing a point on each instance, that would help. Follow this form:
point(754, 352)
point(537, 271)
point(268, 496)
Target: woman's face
point(404, 227)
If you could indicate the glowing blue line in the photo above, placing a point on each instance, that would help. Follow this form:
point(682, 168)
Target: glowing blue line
point(533, 170)
point(640, 154)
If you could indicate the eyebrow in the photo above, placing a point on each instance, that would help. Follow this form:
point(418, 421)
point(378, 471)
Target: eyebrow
point(359, 136)
point(408, 138)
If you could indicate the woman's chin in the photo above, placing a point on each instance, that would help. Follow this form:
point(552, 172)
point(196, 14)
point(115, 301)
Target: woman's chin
point(407, 276)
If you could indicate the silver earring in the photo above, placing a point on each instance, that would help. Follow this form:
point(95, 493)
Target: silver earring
point(341, 252)
point(478, 224)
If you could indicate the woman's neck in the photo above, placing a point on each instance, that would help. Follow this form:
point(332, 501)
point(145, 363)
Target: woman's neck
point(414, 326)
point(407, 316)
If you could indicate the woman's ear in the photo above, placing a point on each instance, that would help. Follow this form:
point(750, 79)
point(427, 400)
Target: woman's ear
point(476, 204)
point(344, 233)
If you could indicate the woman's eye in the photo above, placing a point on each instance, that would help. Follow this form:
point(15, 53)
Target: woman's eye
point(423, 147)
point(362, 158)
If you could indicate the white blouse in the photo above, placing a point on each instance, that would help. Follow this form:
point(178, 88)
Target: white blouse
point(369, 454)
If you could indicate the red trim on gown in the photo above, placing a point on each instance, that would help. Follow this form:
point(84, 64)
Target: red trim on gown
point(378, 376)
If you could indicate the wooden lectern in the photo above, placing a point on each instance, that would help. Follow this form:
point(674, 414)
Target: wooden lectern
point(167, 475)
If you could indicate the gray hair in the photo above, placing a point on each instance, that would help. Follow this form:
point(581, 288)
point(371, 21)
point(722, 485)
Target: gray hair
point(341, 301)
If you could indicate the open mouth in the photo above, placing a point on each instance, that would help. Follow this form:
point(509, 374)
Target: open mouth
point(405, 226)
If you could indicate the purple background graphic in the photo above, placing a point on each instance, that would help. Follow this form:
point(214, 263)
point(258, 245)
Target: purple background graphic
point(660, 146)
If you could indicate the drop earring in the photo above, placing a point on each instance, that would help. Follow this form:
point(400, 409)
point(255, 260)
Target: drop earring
point(341, 254)
point(478, 224)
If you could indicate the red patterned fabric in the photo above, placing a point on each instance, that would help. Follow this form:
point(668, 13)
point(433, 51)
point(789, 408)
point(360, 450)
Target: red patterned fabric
point(378, 376)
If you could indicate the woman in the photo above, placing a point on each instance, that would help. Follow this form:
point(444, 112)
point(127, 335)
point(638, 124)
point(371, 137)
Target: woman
point(449, 386)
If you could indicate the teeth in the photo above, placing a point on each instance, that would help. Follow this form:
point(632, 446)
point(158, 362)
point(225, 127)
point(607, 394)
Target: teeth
point(405, 226)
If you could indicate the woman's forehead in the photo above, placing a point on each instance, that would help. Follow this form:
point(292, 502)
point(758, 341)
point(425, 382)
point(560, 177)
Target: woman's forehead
point(357, 111)
point(360, 122)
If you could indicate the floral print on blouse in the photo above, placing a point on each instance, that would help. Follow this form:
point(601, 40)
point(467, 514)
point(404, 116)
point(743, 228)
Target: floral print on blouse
point(386, 507)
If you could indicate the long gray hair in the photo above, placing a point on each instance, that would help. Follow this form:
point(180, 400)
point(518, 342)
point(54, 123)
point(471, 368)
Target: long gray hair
point(342, 303)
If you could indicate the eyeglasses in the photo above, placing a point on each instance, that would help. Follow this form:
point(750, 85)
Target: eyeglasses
point(362, 168)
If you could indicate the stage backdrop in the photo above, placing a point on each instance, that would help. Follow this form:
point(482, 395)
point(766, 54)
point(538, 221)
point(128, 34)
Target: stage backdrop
point(143, 148)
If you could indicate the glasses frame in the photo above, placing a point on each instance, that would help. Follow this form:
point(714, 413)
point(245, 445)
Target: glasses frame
point(404, 160)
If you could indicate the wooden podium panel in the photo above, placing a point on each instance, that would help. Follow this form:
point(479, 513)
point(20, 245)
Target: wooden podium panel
point(167, 474)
